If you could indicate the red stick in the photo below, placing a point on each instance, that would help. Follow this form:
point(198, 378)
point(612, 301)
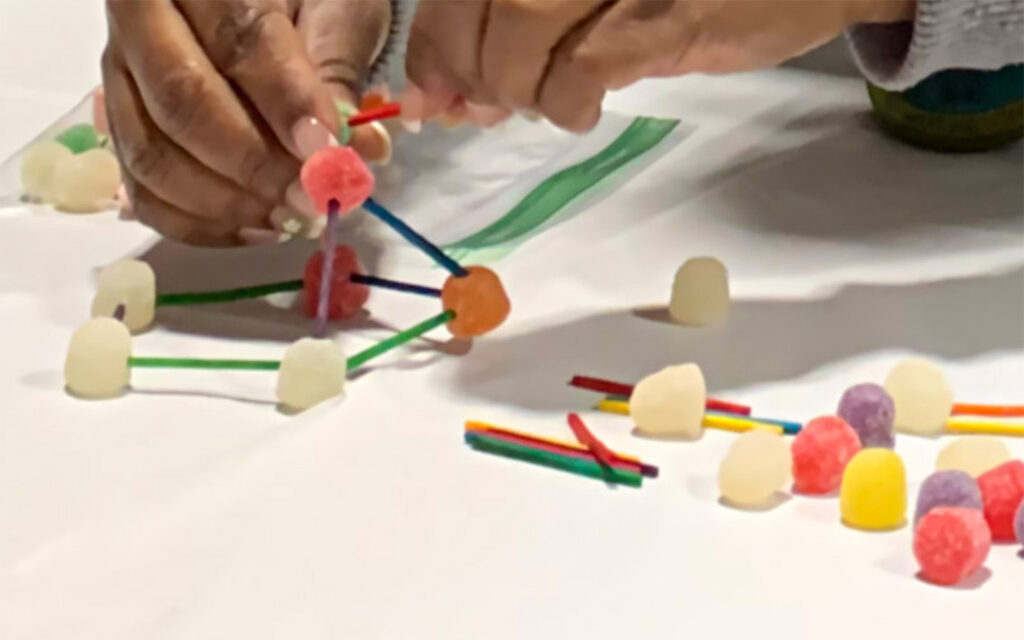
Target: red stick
point(590, 441)
point(620, 389)
point(386, 110)
point(1008, 411)
point(575, 453)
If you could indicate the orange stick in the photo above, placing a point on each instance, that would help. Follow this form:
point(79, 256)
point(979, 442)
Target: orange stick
point(994, 410)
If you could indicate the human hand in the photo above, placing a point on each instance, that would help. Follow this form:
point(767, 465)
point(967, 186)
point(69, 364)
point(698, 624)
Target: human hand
point(213, 104)
point(559, 57)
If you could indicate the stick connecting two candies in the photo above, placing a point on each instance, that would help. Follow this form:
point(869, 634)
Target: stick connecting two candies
point(473, 300)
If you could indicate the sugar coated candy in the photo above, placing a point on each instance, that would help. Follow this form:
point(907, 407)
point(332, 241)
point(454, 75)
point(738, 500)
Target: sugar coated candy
point(1002, 491)
point(947, 489)
point(757, 466)
point(37, 168)
point(951, 543)
point(311, 371)
point(336, 173)
point(1018, 524)
point(478, 300)
point(130, 283)
point(973, 454)
point(670, 403)
point(79, 138)
point(97, 360)
point(873, 495)
point(347, 298)
point(922, 397)
point(700, 293)
point(86, 182)
point(870, 411)
point(821, 452)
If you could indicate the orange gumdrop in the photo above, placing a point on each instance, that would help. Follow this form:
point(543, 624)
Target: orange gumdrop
point(478, 300)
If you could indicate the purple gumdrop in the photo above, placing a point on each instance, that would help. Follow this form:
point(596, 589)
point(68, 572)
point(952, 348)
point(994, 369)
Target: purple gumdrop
point(870, 411)
point(950, 488)
point(1018, 525)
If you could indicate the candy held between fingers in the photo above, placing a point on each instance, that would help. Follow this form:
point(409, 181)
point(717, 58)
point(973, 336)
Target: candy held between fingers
point(670, 402)
point(86, 182)
point(38, 168)
point(347, 298)
point(870, 411)
point(1002, 491)
point(873, 495)
point(97, 359)
point(821, 452)
point(757, 466)
point(311, 371)
point(478, 300)
point(127, 283)
point(973, 454)
point(951, 543)
point(948, 489)
point(336, 173)
point(700, 293)
point(922, 397)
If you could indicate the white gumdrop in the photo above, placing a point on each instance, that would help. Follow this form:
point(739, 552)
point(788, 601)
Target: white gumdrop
point(670, 402)
point(973, 455)
point(758, 464)
point(921, 395)
point(38, 166)
point(700, 293)
point(131, 283)
point(97, 360)
point(311, 371)
point(87, 182)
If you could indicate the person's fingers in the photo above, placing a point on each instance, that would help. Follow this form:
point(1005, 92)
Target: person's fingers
point(571, 91)
point(192, 103)
point(255, 45)
point(171, 222)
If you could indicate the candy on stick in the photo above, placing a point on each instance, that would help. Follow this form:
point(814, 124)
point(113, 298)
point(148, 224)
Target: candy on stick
point(870, 411)
point(821, 452)
point(700, 293)
point(1002, 491)
point(873, 495)
point(478, 301)
point(130, 284)
point(947, 489)
point(347, 296)
point(311, 371)
point(97, 360)
point(973, 454)
point(670, 403)
point(336, 173)
point(756, 467)
point(921, 395)
point(951, 543)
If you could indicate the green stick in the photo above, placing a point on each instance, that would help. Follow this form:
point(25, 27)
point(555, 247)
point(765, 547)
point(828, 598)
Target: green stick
point(229, 295)
point(204, 363)
point(398, 339)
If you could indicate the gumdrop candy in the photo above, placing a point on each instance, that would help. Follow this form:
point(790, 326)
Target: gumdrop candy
point(99, 112)
point(1018, 524)
point(973, 454)
point(757, 466)
point(951, 543)
point(86, 182)
point(948, 489)
point(873, 495)
point(79, 138)
point(127, 283)
point(821, 452)
point(478, 300)
point(700, 293)
point(347, 297)
point(337, 173)
point(1002, 491)
point(870, 411)
point(922, 397)
point(311, 371)
point(97, 360)
point(37, 168)
point(670, 403)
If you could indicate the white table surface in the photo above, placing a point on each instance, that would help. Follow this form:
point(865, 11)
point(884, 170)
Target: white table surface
point(192, 509)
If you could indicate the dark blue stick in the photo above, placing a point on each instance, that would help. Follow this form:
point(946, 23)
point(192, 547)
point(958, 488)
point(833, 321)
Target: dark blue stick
point(384, 283)
point(416, 239)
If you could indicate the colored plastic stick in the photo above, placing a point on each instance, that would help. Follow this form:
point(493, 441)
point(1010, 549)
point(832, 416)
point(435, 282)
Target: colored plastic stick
point(582, 454)
point(992, 410)
point(626, 390)
point(788, 427)
point(228, 295)
point(614, 406)
point(323, 304)
point(727, 422)
point(414, 238)
point(386, 110)
point(204, 363)
point(374, 281)
point(475, 425)
point(1015, 429)
point(590, 441)
point(398, 340)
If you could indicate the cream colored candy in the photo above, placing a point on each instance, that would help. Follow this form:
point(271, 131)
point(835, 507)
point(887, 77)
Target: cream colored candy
point(973, 454)
point(758, 465)
point(700, 293)
point(130, 283)
point(311, 371)
point(97, 360)
point(922, 397)
point(670, 402)
point(38, 166)
point(86, 182)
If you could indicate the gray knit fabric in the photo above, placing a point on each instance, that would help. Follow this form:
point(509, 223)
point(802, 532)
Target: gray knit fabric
point(946, 34)
point(388, 68)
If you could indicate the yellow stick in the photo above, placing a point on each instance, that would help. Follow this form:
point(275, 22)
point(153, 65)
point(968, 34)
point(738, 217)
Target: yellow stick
point(726, 423)
point(986, 428)
point(474, 425)
point(614, 406)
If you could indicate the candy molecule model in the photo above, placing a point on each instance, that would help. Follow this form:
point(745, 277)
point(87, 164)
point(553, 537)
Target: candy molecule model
point(473, 302)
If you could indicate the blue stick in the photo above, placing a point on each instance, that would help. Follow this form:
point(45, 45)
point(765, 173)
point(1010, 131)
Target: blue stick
point(394, 285)
point(416, 239)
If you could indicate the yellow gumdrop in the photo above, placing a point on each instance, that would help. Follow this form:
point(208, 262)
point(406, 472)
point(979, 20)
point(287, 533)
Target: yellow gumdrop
point(873, 495)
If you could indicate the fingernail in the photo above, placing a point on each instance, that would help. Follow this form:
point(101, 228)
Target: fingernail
point(484, 115)
point(297, 198)
point(258, 237)
point(310, 135)
point(385, 138)
point(412, 108)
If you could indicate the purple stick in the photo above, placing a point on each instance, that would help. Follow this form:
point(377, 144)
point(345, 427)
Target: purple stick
point(327, 269)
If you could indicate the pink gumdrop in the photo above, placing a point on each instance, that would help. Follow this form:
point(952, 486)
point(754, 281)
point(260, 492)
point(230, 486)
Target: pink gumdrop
point(820, 453)
point(347, 297)
point(951, 543)
point(99, 112)
point(336, 173)
point(1002, 491)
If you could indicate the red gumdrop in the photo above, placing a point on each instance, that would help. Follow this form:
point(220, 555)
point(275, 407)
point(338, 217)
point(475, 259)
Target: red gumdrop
point(336, 173)
point(820, 453)
point(347, 297)
point(1002, 491)
point(951, 543)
